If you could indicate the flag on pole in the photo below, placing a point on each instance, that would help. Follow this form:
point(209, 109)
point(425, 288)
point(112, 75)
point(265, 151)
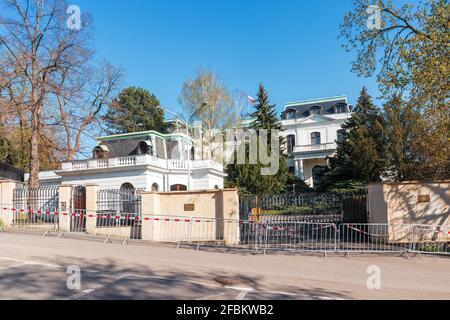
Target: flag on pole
point(251, 100)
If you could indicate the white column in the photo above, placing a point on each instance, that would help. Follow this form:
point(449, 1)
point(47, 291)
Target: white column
point(299, 169)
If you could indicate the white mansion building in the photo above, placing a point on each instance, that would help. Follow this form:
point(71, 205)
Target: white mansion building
point(168, 162)
point(311, 129)
point(145, 160)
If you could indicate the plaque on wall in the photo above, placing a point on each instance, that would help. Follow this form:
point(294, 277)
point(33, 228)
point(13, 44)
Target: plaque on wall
point(189, 207)
point(424, 199)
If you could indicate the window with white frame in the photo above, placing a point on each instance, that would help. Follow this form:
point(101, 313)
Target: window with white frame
point(316, 138)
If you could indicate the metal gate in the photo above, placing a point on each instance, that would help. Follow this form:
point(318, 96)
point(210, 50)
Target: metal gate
point(78, 212)
point(307, 207)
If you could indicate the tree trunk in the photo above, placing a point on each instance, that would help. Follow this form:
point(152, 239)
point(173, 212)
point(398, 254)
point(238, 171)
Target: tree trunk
point(33, 181)
point(34, 152)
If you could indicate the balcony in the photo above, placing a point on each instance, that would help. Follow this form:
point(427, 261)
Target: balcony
point(142, 160)
point(316, 147)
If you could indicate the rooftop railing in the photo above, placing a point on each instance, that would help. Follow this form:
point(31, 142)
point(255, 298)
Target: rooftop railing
point(131, 161)
point(316, 147)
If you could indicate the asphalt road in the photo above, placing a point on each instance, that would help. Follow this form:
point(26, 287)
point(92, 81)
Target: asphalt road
point(35, 267)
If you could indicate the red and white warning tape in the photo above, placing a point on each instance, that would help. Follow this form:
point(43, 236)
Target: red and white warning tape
point(38, 212)
point(181, 220)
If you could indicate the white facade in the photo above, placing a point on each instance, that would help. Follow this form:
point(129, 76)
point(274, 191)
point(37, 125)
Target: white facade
point(155, 168)
point(153, 161)
point(311, 129)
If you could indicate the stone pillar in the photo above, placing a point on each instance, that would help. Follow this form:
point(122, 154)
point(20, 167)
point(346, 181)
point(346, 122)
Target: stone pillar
point(6, 192)
point(150, 206)
point(91, 208)
point(65, 202)
point(6, 202)
point(230, 214)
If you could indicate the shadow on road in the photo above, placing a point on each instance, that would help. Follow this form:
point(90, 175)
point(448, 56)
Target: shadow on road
point(112, 280)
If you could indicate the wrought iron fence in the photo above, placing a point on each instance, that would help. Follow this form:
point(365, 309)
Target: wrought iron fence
point(120, 201)
point(322, 218)
point(306, 207)
point(36, 199)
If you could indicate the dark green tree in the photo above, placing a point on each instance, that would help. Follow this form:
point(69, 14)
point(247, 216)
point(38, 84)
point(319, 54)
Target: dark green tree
point(134, 110)
point(265, 115)
point(361, 153)
point(247, 177)
point(296, 185)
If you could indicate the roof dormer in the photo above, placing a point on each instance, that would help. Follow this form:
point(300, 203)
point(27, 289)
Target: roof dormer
point(315, 110)
point(100, 152)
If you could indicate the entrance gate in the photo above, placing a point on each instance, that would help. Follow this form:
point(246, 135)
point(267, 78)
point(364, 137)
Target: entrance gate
point(78, 214)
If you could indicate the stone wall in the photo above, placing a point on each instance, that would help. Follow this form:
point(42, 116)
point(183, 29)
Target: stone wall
point(410, 203)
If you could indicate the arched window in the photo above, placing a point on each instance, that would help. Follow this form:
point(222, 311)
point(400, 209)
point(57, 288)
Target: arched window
point(315, 138)
point(127, 187)
point(315, 110)
point(317, 173)
point(155, 187)
point(178, 187)
point(290, 140)
point(100, 152)
point(216, 187)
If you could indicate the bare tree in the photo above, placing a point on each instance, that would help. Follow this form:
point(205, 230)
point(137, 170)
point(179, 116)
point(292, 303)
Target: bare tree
point(240, 106)
point(50, 77)
point(208, 98)
point(81, 104)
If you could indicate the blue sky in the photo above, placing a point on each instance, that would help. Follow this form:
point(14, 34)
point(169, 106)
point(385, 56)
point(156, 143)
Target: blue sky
point(291, 46)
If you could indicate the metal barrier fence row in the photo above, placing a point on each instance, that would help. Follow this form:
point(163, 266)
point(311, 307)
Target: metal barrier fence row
point(36, 198)
point(238, 234)
point(44, 221)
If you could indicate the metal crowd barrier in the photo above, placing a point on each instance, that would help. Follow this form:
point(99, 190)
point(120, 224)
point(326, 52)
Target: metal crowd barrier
point(238, 234)
point(77, 220)
point(113, 226)
point(301, 237)
point(431, 239)
point(374, 238)
point(45, 220)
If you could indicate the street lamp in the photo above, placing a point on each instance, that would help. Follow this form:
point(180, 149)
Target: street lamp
point(186, 124)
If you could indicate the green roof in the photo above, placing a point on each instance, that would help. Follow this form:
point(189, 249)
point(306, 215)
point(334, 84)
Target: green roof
point(320, 100)
point(143, 134)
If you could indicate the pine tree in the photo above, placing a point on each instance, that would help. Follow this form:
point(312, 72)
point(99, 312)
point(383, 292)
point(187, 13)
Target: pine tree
point(361, 154)
point(135, 110)
point(265, 116)
point(247, 177)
